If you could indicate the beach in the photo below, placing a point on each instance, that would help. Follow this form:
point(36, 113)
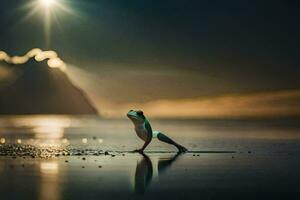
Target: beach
point(91, 158)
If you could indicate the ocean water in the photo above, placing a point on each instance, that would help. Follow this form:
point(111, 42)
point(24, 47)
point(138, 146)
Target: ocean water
point(262, 159)
point(260, 136)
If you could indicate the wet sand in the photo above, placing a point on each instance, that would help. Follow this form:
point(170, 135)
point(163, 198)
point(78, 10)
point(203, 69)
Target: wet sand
point(58, 160)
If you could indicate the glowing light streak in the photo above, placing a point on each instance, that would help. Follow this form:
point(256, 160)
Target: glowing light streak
point(53, 60)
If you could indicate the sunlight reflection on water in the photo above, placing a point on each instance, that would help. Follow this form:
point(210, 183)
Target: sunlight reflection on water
point(118, 135)
point(49, 183)
point(49, 167)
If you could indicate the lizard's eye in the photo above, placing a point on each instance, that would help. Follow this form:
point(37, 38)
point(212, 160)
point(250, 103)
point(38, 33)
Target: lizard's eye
point(140, 112)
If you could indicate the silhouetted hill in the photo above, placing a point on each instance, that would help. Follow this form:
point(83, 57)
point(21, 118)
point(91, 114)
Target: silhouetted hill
point(43, 90)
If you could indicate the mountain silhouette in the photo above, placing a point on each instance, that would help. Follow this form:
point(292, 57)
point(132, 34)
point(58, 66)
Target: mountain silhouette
point(40, 89)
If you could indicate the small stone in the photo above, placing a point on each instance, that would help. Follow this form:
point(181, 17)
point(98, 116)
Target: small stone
point(83, 158)
point(100, 166)
point(66, 161)
point(83, 167)
point(106, 153)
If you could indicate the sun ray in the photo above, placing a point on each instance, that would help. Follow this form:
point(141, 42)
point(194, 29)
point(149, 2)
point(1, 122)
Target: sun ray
point(29, 15)
point(51, 11)
point(66, 9)
point(55, 20)
point(47, 27)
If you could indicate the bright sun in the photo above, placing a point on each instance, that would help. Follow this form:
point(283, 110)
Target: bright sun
point(48, 10)
point(47, 3)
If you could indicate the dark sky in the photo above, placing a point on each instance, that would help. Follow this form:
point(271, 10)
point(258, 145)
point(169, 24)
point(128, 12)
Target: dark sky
point(218, 46)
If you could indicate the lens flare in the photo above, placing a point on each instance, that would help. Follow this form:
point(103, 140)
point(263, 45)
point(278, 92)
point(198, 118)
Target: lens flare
point(65, 141)
point(84, 140)
point(2, 141)
point(100, 141)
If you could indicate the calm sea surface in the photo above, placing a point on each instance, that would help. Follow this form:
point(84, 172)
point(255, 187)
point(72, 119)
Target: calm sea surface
point(118, 135)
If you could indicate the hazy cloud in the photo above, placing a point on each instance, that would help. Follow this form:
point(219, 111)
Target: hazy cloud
point(255, 105)
point(39, 55)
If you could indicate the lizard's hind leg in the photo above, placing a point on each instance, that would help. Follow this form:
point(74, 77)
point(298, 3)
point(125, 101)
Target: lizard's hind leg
point(162, 137)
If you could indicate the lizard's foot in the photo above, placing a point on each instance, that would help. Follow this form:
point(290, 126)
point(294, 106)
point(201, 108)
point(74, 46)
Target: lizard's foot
point(139, 151)
point(181, 149)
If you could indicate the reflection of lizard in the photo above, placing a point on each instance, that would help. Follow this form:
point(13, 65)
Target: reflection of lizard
point(144, 171)
point(143, 174)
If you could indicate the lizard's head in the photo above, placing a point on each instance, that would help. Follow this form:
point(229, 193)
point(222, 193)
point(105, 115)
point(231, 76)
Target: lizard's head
point(136, 116)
